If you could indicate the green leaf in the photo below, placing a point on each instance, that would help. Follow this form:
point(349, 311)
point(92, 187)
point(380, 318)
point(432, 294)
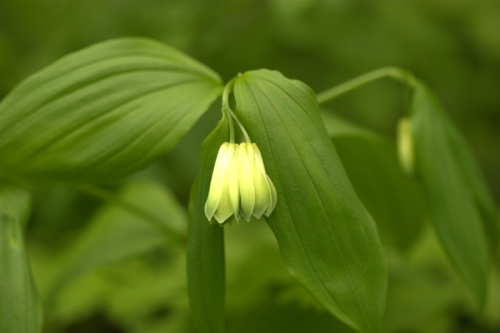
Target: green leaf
point(451, 203)
point(205, 248)
point(115, 234)
point(471, 172)
point(395, 201)
point(20, 304)
point(328, 240)
point(102, 113)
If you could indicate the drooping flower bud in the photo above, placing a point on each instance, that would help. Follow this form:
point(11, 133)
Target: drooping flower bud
point(240, 185)
point(406, 147)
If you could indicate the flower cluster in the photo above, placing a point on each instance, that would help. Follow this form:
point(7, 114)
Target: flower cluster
point(240, 185)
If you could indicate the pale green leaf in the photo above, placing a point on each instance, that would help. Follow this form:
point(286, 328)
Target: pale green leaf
point(103, 112)
point(450, 199)
point(327, 238)
point(205, 248)
point(20, 304)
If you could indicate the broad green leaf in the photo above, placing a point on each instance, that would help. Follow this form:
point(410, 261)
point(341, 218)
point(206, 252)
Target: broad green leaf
point(114, 234)
point(205, 248)
point(328, 240)
point(451, 203)
point(471, 172)
point(102, 113)
point(20, 304)
point(395, 201)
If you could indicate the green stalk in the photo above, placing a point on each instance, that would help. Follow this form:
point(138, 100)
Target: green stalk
point(390, 72)
point(226, 108)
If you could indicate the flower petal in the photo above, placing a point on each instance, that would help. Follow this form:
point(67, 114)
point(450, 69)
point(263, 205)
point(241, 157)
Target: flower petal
point(225, 210)
point(262, 190)
point(216, 184)
point(274, 197)
point(247, 190)
point(234, 186)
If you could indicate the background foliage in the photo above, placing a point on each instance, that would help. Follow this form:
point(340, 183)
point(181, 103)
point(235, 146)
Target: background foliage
point(453, 46)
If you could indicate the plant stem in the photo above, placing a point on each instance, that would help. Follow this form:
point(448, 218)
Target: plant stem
point(245, 134)
point(134, 209)
point(391, 72)
point(226, 108)
point(231, 125)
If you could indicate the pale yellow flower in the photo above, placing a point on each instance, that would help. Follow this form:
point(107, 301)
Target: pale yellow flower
point(240, 185)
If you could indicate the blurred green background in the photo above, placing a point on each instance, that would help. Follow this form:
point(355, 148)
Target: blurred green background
point(453, 46)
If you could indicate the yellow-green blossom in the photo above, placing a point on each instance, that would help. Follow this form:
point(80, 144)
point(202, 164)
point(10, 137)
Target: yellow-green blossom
point(240, 185)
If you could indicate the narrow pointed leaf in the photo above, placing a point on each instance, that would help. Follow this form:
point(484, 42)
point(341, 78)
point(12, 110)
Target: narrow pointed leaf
point(452, 207)
point(20, 304)
point(205, 248)
point(327, 239)
point(102, 113)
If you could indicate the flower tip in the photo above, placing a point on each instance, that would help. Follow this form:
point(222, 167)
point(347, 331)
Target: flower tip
point(208, 210)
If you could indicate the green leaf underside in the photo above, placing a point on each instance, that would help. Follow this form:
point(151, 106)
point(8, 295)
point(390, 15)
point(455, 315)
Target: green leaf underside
point(205, 248)
point(20, 304)
point(451, 203)
point(103, 112)
point(328, 240)
point(114, 234)
point(395, 201)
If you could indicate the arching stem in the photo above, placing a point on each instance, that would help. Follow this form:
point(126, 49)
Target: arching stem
point(396, 73)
